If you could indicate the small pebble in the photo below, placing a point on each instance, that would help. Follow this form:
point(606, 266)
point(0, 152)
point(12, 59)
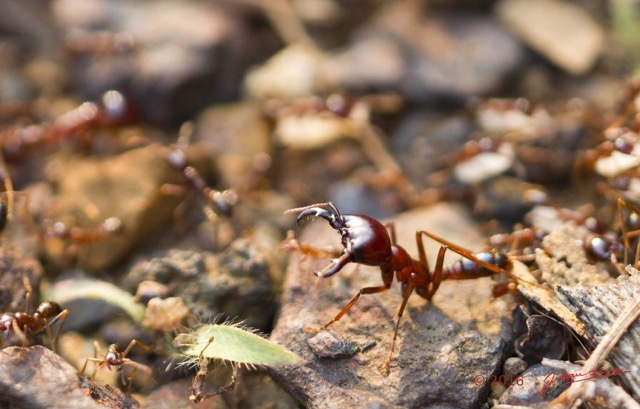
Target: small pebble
point(328, 344)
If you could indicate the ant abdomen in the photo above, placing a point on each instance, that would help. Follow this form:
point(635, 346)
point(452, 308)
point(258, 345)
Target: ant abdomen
point(464, 268)
point(47, 309)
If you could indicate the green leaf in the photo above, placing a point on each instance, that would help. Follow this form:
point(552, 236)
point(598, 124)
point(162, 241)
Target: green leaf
point(66, 291)
point(232, 343)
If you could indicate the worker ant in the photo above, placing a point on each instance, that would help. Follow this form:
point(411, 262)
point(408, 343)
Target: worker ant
point(23, 323)
point(215, 202)
point(77, 125)
point(197, 386)
point(118, 360)
point(367, 241)
point(78, 235)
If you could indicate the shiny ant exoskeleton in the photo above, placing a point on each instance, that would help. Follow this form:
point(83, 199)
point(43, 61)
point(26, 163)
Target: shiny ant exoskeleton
point(23, 323)
point(118, 360)
point(367, 241)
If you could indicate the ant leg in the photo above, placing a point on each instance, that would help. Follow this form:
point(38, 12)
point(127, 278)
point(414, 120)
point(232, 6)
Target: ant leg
point(291, 244)
point(19, 332)
point(99, 361)
point(135, 366)
point(625, 233)
point(132, 375)
point(470, 256)
point(366, 290)
point(436, 278)
point(407, 293)
point(62, 317)
point(391, 228)
point(141, 345)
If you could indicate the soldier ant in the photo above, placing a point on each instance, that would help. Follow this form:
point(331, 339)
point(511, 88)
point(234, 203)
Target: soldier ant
point(23, 323)
point(118, 360)
point(367, 241)
point(197, 386)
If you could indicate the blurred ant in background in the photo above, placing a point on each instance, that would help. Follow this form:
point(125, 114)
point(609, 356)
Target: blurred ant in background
point(118, 360)
point(215, 203)
point(24, 324)
point(77, 125)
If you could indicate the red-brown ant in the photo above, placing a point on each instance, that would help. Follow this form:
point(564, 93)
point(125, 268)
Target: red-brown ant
point(367, 241)
point(113, 109)
point(23, 323)
point(77, 235)
point(215, 202)
point(118, 360)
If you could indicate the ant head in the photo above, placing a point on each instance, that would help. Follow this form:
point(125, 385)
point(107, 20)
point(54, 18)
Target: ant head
point(333, 216)
point(113, 357)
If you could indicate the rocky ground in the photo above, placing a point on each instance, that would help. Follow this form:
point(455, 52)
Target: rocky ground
point(150, 149)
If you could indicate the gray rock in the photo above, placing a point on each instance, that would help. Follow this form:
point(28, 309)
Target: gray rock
point(454, 55)
point(328, 344)
point(127, 187)
point(514, 366)
point(563, 32)
point(171, 57)
point(35, 378)
point(235, 284)
point(537, 386)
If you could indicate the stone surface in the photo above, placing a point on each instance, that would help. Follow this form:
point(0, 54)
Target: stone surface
point(535, 388)
point(14, 268)
point(235, 284)
point(441, 346)
point(598, 307)
point(562, 31)
point(443, 54)
point(35, 378)
point(171, 57)
point(126, 186)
